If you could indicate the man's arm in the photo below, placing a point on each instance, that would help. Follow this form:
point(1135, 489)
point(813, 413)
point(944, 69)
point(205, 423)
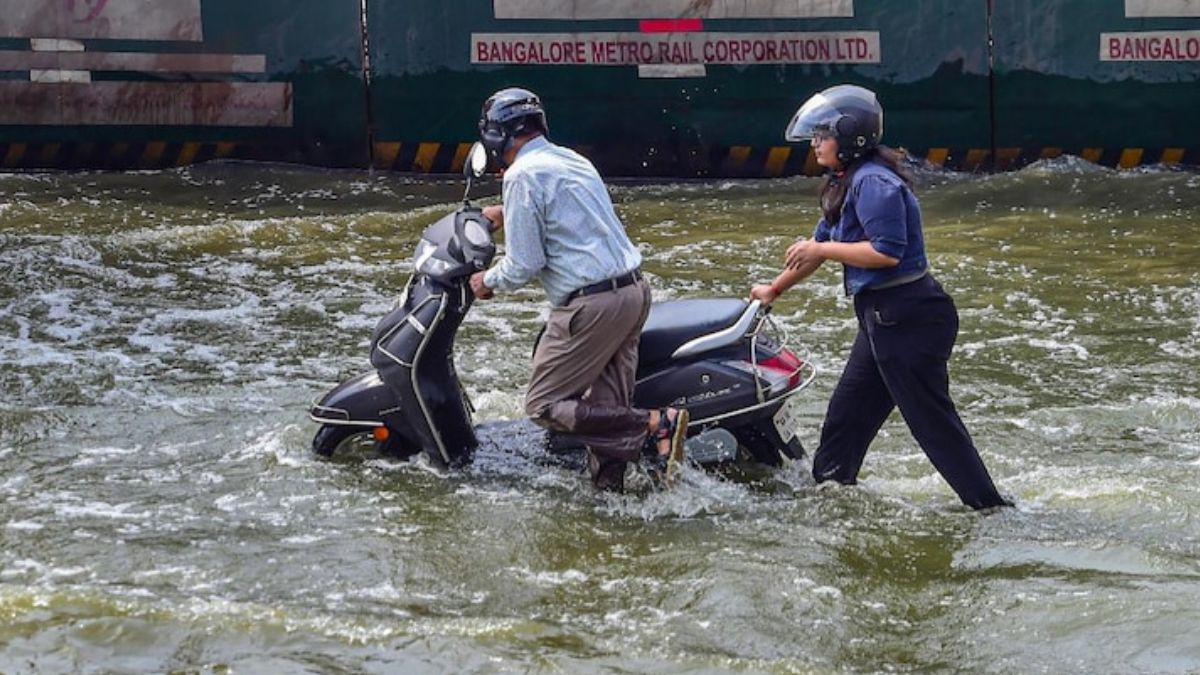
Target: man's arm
point(524, 240)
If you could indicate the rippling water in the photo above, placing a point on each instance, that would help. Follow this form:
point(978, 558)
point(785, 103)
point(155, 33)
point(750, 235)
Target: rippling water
point(161, 335)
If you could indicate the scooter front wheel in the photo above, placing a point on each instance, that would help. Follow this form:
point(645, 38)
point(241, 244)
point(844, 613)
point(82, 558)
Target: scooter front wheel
point(331, 436)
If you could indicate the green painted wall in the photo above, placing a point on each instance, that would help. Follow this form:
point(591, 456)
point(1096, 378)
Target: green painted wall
point(932, 76)
point(1054, 91)
point(1112, 80)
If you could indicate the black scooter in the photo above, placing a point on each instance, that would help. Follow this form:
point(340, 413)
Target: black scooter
point(720, 358)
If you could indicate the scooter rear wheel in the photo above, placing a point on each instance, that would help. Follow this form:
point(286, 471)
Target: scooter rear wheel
point(764, 444)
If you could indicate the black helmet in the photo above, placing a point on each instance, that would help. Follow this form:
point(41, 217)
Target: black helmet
point(848, 112)
point(506, 115)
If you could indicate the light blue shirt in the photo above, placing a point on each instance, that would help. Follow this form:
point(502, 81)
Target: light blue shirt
point(559, 224)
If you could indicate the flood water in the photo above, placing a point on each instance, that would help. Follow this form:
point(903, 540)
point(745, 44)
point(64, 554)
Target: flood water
point(162, 334)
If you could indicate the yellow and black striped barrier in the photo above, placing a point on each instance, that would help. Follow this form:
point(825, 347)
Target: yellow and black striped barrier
point(770, 162)
point(448, 158)
point(115, 155)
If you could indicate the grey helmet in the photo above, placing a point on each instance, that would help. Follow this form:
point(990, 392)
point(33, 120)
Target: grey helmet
point(506, 115)
point(848, 112)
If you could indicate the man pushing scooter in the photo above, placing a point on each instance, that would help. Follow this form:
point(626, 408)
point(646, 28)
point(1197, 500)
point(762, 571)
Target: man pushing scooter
point(560, 227)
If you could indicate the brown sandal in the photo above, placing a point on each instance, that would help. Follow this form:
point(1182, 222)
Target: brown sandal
point(669, 465)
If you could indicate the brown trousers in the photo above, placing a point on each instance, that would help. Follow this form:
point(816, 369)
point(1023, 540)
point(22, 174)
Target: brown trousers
point(583, 378)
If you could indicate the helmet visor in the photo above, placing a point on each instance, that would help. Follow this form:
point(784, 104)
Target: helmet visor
point(816, 116)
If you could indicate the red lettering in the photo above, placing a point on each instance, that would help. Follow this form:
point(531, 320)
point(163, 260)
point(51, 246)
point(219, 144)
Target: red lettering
point(771, 54)
point(681, 53)
point(640, 49)
point(1154, 48)
point(760, 51)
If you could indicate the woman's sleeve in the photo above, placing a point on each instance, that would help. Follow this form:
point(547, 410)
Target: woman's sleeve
point(823, 231)
point(881, 210)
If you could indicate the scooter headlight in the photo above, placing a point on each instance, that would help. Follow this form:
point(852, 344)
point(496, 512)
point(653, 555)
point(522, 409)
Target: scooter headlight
point(426, 262)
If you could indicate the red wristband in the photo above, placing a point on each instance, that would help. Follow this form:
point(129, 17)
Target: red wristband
point(776, 290)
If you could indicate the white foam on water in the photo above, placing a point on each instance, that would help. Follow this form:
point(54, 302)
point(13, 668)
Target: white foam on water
point(12, 484)
point(1058, 348)
point(304, 539)
point(547, 579)
point(80, 509)
point(1105, 557)
point(1065, 165)
point(14, 569)
point(494, 405)
point(695, 493)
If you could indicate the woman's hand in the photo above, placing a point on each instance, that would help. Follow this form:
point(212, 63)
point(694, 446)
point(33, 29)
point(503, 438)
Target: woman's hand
point(764, 293)
point(804, 253)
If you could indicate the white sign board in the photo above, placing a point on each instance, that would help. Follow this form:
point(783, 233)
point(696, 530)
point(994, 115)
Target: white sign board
point(1151, 46)
point(1171, 8)
point(628, 49)
point(577, 10)
point(168, 20)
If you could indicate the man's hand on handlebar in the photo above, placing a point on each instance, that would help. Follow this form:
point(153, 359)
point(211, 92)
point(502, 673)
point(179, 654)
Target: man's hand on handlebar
point(495, 214)
point(480, 289)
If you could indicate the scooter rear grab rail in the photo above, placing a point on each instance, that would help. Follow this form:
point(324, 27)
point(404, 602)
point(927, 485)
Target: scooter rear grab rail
point(752, 324)
point(785, 340)
point(722, 338)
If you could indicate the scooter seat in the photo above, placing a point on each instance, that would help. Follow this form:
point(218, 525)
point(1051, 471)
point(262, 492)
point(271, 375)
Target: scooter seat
point(673, 323)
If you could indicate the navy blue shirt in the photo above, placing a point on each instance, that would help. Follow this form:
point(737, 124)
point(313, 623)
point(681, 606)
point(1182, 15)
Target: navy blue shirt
point(882, 209)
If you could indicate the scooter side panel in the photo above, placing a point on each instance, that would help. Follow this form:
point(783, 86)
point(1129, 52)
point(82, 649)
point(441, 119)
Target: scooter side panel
point(706, 388)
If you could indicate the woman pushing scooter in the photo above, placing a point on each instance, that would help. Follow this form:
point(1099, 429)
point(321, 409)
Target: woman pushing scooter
point(907, 324)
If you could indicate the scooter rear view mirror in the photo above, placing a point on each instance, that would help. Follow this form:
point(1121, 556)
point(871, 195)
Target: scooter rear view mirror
point(477, 161)
point(474, 168)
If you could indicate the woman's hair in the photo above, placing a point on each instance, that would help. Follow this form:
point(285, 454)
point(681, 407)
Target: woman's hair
point(837, 183)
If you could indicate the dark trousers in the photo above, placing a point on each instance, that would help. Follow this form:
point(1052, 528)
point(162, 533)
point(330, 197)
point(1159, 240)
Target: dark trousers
point(899, 359)
point(584, 371)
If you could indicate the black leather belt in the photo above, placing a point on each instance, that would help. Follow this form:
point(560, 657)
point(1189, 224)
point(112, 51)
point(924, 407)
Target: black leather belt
point(900, 280)
point(610, 284)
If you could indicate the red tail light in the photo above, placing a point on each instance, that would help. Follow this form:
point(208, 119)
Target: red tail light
point(787, 363)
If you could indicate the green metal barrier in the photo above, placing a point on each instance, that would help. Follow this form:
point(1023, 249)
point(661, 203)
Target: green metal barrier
point(654, 87)
point(119, 84)
point(646, 87)
point(1114, 81)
